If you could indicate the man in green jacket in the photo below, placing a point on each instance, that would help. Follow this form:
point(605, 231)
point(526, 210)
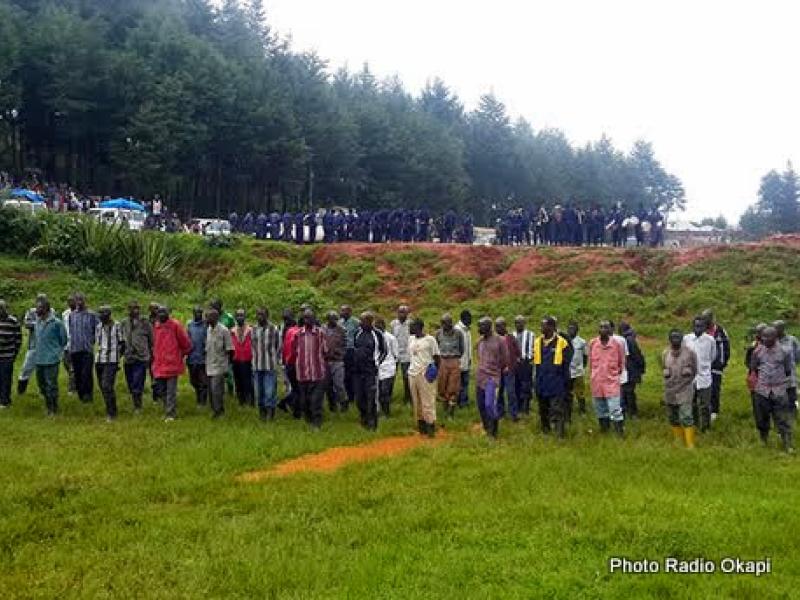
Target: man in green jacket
point(51, 338)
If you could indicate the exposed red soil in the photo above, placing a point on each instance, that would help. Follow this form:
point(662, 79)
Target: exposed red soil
point(333, 459)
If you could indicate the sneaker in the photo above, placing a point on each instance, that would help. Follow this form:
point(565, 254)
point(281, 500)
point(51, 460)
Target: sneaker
point(110, 419)
point(714, 417)
point(169, 419)
point(4, 406)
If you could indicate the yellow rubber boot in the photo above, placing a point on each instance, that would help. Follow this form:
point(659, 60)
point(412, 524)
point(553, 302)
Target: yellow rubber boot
point(677, 432)
point(688, 434)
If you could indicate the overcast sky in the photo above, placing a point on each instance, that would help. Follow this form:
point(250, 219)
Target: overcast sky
point(714, 85)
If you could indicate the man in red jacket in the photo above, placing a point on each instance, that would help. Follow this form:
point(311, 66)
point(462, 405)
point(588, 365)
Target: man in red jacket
point(171, 344)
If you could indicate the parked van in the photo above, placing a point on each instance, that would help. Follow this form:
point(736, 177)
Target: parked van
point(133, 219)
point(26, 206)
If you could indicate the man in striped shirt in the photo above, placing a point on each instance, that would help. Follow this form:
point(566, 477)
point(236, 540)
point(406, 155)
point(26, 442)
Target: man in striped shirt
point(309, 348)
point(524, 371)
point(82, 329)
point(10, 343)
point(110, 346)
point(266, 348)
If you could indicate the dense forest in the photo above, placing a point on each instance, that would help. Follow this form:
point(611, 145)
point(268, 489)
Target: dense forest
point(206, 105)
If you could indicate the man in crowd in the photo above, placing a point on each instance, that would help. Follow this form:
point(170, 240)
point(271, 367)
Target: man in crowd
point(170, 345)
point(51, 338)
point(723, 355)
point(400, 330)
point(369, 350)
point(242, 336)
point(287, 332)
point(492, 364)
point(577, 370)
point(110, 347)
point(552, 356)
point(10, 344)
point(266, 352)
point(228, 321)
point(524, 371)
point(791, 346)
point(635, 366)
point(197, 330)
point(335, 342)
point(29, 364)
point(309, 352)
point(607, 359)
point(137, 334)
point(508, 382)
point(351, 326)
point(465, 365)
point(67, 363)
point(82, 329)
point(387, 372)
point(451, 349)
point(773, 368)
point(705, 349)
point(424, 352)
point(219, 355)
point(679, 365)
point(156, 385)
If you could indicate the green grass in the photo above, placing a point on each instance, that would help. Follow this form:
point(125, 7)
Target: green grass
point(140, 508)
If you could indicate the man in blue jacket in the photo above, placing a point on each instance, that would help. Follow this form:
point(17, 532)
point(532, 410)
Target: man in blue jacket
point(552, 355)
point(51, 337)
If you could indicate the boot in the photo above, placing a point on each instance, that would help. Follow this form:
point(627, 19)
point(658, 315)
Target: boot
point(22, 386)
point(605, 425)
point(786, 438)
point(764, 435)
point(431, 430)
point(619, 428)
point(677, 433)
point(688, 435)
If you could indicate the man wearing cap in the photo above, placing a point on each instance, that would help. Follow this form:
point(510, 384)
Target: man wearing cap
point(679, 364)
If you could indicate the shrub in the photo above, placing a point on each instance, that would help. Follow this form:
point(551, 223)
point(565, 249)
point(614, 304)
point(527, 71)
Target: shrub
point(19, 231)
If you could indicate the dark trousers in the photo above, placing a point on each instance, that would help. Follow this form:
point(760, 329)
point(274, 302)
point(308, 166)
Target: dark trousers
point(701, 409)
point(82, 363)
point(216, 394)
point(490, 425)
point(309, 399)
point(463, 393)
point(107, 380)
point(524, 383)
point(406, 388)
point(628, 401)
point(791, 393)
point(135, 374)
point(157, 387)
point(291, 397)
point(508, 387)
point(366, 393)
point(553, 414)
point(775, 408)
point(716, 390)
point(47, 380)
point(6, 377)
point(385, 391)
point(170, 387)
point(199, 381)
point(70, 373)
point(243, 378)
point(349, 375)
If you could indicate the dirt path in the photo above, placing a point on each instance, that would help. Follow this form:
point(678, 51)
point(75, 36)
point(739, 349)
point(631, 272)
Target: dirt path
point(335, 458)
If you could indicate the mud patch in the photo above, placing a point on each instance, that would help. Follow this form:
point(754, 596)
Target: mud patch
point(333, 459)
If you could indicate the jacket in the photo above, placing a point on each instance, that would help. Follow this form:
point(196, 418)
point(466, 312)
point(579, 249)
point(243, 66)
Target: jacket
point(171, 344)
point(635, 362)
point(723, 349)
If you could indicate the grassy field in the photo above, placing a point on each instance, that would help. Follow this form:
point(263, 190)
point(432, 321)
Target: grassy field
point(140, 508)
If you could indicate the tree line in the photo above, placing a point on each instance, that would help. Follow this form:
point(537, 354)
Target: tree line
point(778, 206)
point(208, 106)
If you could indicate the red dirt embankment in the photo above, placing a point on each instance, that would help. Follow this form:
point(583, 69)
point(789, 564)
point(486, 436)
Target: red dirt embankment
point(335, 458)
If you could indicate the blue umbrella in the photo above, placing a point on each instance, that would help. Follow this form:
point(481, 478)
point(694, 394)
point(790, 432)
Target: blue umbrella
point(123, 203)
point(27, 194)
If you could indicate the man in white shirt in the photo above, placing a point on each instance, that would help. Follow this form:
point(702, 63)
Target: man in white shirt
point(623, 379)
point(577, 370)
point(705, 348)
point(67, 363)
point(387, 372)
point(466, 359)
point(399, 328)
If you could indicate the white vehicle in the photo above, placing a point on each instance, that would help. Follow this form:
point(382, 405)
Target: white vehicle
point(26, 206)
point(133, 219)
point(215, 227)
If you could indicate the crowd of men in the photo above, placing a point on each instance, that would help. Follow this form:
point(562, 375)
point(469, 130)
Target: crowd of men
point(356, 361)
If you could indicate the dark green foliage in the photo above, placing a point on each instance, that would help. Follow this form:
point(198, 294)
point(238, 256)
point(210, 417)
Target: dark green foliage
point(778, 207)
point(201, 102)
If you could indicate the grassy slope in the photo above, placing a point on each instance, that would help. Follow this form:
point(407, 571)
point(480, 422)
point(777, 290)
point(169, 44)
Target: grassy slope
point(142, 509)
